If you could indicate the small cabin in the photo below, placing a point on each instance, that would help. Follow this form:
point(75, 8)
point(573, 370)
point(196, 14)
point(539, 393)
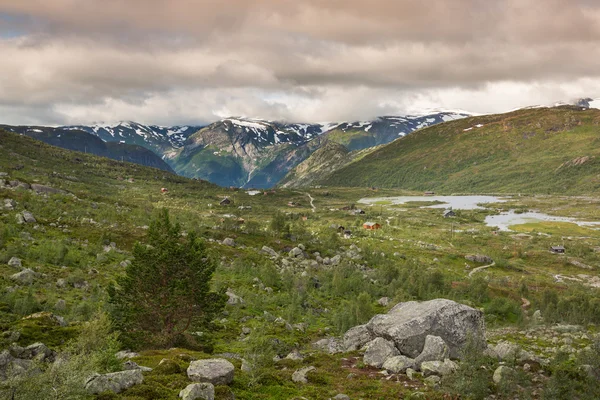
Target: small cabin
point(449, 213)
point(429, 193)
point(558, 249)
point(371, 226)
point(225, 201)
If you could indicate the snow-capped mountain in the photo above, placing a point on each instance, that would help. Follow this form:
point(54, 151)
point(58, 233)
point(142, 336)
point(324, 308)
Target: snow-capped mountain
point(157, 138)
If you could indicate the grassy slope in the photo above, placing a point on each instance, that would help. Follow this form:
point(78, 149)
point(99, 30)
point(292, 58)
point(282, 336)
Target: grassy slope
point(523, 151)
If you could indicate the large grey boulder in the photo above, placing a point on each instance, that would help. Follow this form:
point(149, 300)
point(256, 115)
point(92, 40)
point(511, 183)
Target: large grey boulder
point(114, 382)
point(398, 364)
point(204, 391)
point(355, 338)
point(378, 351)
point(435, 349)
point(408, 324)
point(216, 371)
point(25, 277)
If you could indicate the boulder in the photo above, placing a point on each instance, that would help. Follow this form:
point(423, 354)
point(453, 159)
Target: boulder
point(299, 376)
point(9, 204)
point(330, 345)
point(114, 382)
point(20, 219)
point(341, 396)
point(269, 251)
point(501, 373)
point(15, 262)
point(384, 301)
point(378, 351)
point(194, 391)
point(131, 365)
point(355, 338)
point(28, 217)
point(408, 324)
point(439, 368)
point(398, 364)
point(296, 252)
point(216, 371)
point(25, 277)
point(46, 189)
point(229, 242)
point(335, 260)
point(233, 299)
point(479, 258)
point(435, 349)
point(121, 355)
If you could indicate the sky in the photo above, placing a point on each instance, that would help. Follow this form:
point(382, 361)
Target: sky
point(175, 62)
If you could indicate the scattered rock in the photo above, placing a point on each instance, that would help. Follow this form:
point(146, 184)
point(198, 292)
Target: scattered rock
point(46, 189)
point(433, 380)
point(295, 355)
point(435, 349)
point(233, 299)
point(296, 252)
point(20, 219)
point(269, 251)
point(356, 338)
point(479, 258)
point(121, 355)
point(439, 368)
point(28, 217)
point(131, 365)
point(229, 242)
point(410, 373)
point(341, 397)
point(114, 382)
point(330, 345)
point(299, 376)
point(398, 364)
point(9, 204)
point(384, 301)
point(48, 318)
point(378, 351)
point(500, 373)
point(25, 277)
point(194, 391)
point(408, 324)
point(216, 371)
point(15, 262)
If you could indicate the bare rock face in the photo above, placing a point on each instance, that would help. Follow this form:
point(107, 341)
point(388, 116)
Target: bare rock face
point(408, 324)
point(216, 371)
point(114, 382)
point(378, 351)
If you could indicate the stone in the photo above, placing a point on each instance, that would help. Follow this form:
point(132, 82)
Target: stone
point(341, 396)
point(439, 368)
point(233, 299)
point(408, 324)
point(537, 317)
point(46, 189)
point(20, 219)
point(229, 242)
point(28, 217)
point(216, 371)
point(479, 258)
point(507, 351)
point(114, 382)
point(131, 365)
point(194, 391)
point(9, 204)
point(296, 252)
point(121, 355)
point(335, 260)
point(432, 380)
point(15, 263)
point(378, 351)
point(384, 301)
point(38, 351)
point(398, 364)
point(500, 373)
point(269, 251)
point(25, 277)
point(435, 349)
point(356, 338)
point(299, 376)
point(48, 318)
point(61, 283)
point(330, 345)
point(410, 373)
point(295, 356)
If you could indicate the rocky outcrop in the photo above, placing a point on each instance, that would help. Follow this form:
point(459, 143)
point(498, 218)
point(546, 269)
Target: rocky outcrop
point(216, 371)
point(408, 325)
point(114, 382)
point(435, 349)
point(356, 338)
point(398, 364)
point(378, 351)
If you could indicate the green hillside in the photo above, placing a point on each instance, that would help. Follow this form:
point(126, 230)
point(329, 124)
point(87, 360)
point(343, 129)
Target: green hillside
point(542, 150)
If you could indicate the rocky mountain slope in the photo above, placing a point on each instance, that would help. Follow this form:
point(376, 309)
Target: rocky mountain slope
point(538, 150)
point(257, 153)
point(85, 142)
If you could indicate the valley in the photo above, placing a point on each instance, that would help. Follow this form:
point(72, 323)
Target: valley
point(299, 270)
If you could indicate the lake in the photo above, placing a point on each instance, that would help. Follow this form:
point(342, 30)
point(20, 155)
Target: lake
point(454, 202)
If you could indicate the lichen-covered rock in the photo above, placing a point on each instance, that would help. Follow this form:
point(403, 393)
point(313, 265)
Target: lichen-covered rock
point(269, 251)
point(194, 391)
point(46, 189)
point(15, 263)
point(378, 351)
point(408, 324)
point(299, 376)
point(28, 217)
point(114, 382)
point(229, 242)
point(435, 349)
point(356, 338)
point(25, 277)
point(501, 373)
point(439, 368)
point(479, 258)
point(216, 371)
point(329, 345)
point(233, 299)
point(398, 364)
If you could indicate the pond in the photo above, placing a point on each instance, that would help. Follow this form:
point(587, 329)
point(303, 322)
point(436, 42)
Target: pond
point(454, 202)
point(504, 220)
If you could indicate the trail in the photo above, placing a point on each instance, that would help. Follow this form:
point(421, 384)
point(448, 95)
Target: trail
point(481, 268)
point(312, 204)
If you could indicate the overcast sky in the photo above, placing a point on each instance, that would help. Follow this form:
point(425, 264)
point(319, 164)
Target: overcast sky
point(195, 61)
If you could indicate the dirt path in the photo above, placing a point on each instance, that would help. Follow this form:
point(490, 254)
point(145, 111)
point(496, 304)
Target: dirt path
point(481, 268)
point(312, 204)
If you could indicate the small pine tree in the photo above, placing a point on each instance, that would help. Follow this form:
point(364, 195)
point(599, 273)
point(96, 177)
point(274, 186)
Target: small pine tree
point(165, 292)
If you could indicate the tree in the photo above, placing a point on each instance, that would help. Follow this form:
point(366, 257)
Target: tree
point(165, 293)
